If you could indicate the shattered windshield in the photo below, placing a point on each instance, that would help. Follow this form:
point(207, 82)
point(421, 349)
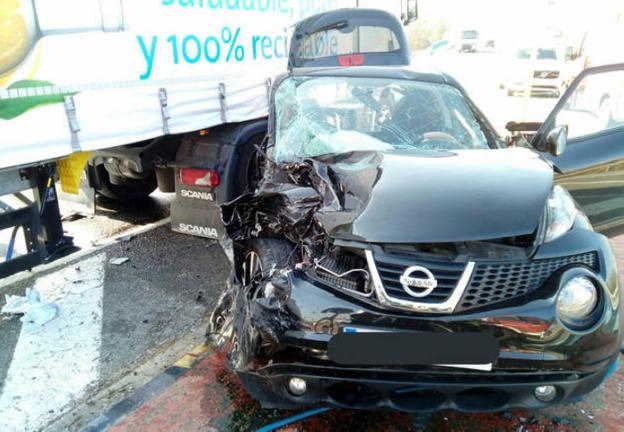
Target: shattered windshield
point(331, 115)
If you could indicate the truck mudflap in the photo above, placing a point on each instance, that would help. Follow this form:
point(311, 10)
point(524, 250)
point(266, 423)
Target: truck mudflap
point(196, 210)
point(212, 168)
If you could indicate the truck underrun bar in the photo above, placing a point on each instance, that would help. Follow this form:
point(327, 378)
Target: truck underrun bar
point(39, 219)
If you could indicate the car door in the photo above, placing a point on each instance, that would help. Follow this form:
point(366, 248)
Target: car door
point(592, 166)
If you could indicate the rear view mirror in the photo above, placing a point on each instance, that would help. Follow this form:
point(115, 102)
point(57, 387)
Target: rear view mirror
point(557, 140)
point(412, 12)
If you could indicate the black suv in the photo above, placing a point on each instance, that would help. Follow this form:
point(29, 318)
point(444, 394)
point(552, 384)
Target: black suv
point(395, 253)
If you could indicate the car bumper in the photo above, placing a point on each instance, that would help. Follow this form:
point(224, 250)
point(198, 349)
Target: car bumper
point(537, 87)
point(416, 392)
point(469, 47)
point(535, 348)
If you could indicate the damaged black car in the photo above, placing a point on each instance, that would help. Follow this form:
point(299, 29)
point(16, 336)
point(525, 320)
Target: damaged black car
point(396, 254)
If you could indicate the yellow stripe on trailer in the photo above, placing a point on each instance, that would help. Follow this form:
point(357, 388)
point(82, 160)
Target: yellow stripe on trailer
point(70, 170)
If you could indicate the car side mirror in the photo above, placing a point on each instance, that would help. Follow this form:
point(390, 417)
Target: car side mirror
point(412, 12)
point(557, 140)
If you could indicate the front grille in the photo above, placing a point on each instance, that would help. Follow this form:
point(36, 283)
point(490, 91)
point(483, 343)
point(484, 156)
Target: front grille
point(495, 282)
point(546, 74)
point(490, 282)
point(341, 264)
point(544, 91)
point(392, 266)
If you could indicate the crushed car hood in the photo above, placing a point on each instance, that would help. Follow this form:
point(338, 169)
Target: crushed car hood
point(436, 196)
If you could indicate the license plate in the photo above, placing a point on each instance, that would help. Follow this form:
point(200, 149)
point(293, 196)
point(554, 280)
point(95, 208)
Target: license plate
point(367, 347)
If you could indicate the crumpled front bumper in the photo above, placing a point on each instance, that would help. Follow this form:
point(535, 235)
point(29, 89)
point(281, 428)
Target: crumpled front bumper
point(535, 349)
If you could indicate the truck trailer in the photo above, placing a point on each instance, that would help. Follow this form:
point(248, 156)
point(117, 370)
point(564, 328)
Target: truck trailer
point(135, 95)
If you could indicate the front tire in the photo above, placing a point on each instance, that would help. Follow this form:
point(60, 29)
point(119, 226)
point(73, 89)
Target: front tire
point(261, 256)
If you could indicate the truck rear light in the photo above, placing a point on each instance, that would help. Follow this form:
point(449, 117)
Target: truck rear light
point(199, 177)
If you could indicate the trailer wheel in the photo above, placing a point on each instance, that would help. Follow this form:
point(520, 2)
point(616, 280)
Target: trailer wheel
point(124, 188)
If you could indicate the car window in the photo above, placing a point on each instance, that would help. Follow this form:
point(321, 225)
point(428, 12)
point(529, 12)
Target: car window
point(363, 40)
point(596, 105)
point(546, 54)
point(316, 116)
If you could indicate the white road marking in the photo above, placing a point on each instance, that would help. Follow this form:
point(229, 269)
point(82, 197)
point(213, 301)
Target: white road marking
point(53, 365)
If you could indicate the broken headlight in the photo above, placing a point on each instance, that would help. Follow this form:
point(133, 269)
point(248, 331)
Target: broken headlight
point(561, 213)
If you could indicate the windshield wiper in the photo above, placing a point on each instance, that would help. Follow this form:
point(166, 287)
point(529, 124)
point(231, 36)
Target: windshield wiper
point(338, 25)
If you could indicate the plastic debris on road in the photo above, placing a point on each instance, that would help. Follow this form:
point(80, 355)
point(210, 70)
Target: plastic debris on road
point(34, 311)
point(21, 304)
point(119, 261)
point(41, 313)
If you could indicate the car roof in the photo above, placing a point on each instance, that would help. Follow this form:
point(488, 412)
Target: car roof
point(390, 72)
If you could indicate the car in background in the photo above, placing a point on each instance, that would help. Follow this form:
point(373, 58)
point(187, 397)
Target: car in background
point(469, 41)
point(537, 70)
point(442, 46)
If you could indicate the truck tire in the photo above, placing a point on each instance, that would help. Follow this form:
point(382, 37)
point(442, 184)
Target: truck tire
point(128, 189)
point(261, 255)
point(250, 163)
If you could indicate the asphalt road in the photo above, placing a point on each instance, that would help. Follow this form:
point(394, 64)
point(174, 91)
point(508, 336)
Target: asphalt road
point(112, 318)
point(210, 398)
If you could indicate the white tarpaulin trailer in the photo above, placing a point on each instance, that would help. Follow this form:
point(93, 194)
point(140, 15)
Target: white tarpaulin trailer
point(81, 75)
point(130, 95)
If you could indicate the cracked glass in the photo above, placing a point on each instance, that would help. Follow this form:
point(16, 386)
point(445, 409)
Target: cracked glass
point(332, 115)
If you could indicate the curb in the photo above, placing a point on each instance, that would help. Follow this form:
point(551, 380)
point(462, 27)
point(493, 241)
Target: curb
point(169, 376)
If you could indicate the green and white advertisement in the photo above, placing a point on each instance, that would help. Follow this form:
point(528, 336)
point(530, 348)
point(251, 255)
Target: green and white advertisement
point(90, 74)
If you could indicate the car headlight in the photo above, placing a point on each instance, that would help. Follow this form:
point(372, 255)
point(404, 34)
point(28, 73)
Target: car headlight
point(577, 298)
point(576, 301)
point(561, 213)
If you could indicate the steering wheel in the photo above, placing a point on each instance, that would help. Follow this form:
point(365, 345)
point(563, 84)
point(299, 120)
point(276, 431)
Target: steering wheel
point(439, 136)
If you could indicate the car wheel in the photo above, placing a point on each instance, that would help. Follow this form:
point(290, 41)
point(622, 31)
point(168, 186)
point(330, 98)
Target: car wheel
point(261, 256)
point(124, 188)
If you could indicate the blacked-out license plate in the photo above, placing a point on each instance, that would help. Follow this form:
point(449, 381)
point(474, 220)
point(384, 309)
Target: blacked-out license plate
point(412, 348)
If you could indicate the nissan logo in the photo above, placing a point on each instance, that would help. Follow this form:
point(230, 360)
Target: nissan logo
point(408, 281)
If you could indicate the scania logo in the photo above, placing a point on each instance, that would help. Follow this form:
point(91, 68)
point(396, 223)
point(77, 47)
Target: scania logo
point(196, 194)
point(198, 230)
point(409, 281)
